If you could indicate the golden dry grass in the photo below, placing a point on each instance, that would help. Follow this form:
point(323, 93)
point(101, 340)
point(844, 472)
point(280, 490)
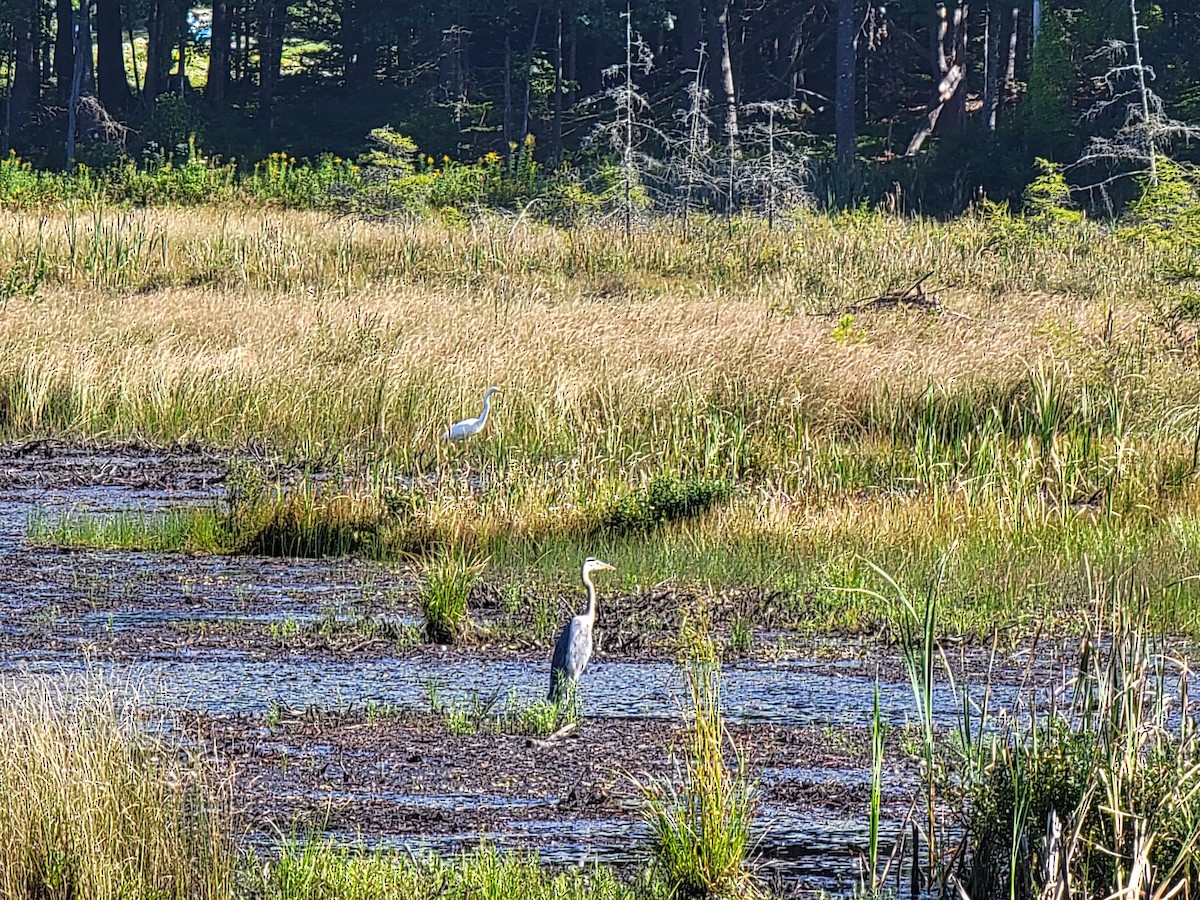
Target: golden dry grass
point(895, 434)
point(91, 807)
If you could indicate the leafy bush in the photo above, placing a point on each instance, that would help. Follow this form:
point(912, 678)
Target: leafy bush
point(667, 498)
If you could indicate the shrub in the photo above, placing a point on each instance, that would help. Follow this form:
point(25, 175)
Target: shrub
point(667, 498)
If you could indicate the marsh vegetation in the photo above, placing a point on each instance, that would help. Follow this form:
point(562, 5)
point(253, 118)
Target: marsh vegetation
point(766, 429)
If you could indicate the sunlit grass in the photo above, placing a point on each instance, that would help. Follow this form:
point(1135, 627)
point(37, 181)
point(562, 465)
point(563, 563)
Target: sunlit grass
point(1047, 418)
point(313, 868)
point(92, 806)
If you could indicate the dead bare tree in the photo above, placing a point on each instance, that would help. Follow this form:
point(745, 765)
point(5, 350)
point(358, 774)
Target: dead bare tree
point(950, 101)
point(774, 177)
point(1145, 129)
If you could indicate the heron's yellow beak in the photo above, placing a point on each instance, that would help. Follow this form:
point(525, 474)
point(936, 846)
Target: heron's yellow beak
point(603, 565)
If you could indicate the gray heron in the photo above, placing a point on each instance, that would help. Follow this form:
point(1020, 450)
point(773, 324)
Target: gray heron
point(460, 431)
point(573, 648)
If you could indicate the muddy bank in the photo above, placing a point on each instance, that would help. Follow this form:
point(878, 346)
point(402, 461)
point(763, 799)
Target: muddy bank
point(406, 781)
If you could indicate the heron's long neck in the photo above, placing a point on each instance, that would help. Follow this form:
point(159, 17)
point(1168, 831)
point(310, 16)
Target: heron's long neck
point(487, 404)
point(590, 612)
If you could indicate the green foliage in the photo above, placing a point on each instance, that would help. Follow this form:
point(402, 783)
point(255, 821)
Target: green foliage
point(847, 332)
point(701, 830)
point(667, 498)
point(1048, 205)
point(1051, 80)
point(316, 869)
point(175, 122)
point(1167, 211)
point(392, 151)
point(279, 178)
point(449, 578)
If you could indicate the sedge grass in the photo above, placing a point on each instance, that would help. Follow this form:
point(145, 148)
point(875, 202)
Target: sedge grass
point(448, 579)
point(701, 828)
point(92, 807)
point(314, 868)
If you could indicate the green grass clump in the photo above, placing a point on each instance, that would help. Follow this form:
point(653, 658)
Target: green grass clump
point(1115, 765)
point(449, 578)
point(92, 807)
point(316, 869)
point(701, 829)
point(667, 498)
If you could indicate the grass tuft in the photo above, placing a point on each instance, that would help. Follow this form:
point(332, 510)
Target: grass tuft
point(449, 578)
point(701, 829)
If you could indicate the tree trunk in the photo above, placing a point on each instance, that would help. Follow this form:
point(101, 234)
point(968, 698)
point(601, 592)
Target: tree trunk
point(112, 84)
point(948, 108)
point(556, 149)
point(507, 91)
point(218, 53)
point(64, 43)
point(955, 117)
point(160, 37)
point(271, 18)
point(691, 28)
point(731, 111)
point(83, 44)
point(23, 90)
point(844, 96)
point(991, 74)
point(537, 21)
point(358, 52)
point(572, 57)
point(83, 57)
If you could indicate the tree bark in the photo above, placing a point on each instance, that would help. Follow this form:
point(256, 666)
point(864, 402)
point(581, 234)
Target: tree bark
point(358, 52)
point(955, 117)
point(537, 21)
point(557, 148)
point(691, 28)
point(64, 47)
point(23, 91)
point(731, 110)
point(83, 58)
point(507, 91)
point(991, 76)
point(112, 84)
point(160, 37)
point(272, 15)
point(844, 95)
point(218, 53)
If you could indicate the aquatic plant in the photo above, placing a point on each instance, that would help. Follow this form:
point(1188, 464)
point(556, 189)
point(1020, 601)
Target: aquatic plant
point(700, 828)
point(305, 867)
point(448, 579)
point(667, 498)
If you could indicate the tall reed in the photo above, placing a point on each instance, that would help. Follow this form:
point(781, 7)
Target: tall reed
point(701, 827)
point(91, 806)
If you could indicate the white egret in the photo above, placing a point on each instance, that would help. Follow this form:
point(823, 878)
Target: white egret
point(573, 648)
point(460, 431)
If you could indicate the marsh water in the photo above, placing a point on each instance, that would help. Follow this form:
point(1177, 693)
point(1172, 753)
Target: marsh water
point(167, 625)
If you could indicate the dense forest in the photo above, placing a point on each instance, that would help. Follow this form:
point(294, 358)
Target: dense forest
point(939, 101)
